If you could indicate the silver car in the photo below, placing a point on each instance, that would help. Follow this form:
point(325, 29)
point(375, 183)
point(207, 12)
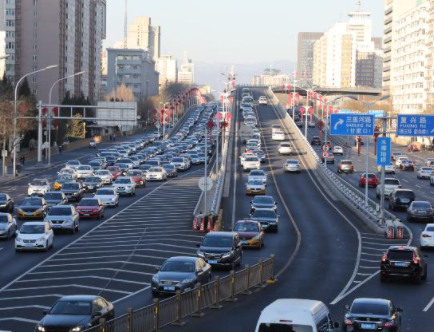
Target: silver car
point(292, 165)
point(8, 226)
point(63, 218)
point(108, 196)
point(105, 176)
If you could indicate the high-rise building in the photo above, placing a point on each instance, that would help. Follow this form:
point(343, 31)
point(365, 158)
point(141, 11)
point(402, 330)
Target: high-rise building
point(67, 33)
point(167, 66)
point(186, 73)
point(271, 77)
point(142, 34)
point(306, 42)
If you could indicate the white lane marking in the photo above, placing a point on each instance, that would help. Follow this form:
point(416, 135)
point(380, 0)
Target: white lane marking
point(30, 297)
point(405, 180)
point(369, 260)
point(66, 287)
point(131, 295)
point(96, 263)
point(368, 267)
point(381, 244)
point(235, 157)
point(375, 249)
point(429, 305)
point(126, 250)
point(93, 270)
point(25, 307)
point(141, 244)
point(364, 274)
point(19, 319)
point(86, 277)
point(105, 256)
point(371, 254)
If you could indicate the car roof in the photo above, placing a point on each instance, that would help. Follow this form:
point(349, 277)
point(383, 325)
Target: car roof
point(37, 223)
point(372, 301)
point(220, 234)
point(79, 298)
point(182, 258)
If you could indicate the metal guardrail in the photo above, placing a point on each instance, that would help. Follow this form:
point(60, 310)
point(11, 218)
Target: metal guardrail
point(350, 196)
point(171, 311)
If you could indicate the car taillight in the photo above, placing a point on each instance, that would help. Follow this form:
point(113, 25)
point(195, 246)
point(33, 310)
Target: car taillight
point(384, 258)
point(416, 261)
point(426, 235)
point(389, 324)
point(348, 322)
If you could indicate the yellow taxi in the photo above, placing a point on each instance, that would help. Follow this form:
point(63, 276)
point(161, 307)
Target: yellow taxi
point(250, 233)
point(61, 180)
point(32, 208)
point(255, 187)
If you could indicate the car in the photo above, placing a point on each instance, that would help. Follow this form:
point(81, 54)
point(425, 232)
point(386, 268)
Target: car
point(170, 170)
point(396, 155)
point(263, 202)
point(338, 150)
point(346, 166)
point(138, 177)
point(73, 164)
point(105, 175)
point(76, 313)
point(420, 211)
point(285, 148)
point(368, 314)
point(90, 208)
point(403, 261)
point(278, 136)
point(95, 164)
point(115, 171)
point(63, 217)
point(372, 180)
point(92, 183)
point(299, 123)
point(221, 249)
point(407, 165)
point(6, 203)
point(32, 208)
point(427, 237)
point(8, 226)
point(424, 172)
point(73, 191)
point(258, 174)
point(84, 171)
point(92, 143)
point(429, 162)
point(413, 147)
point(330, 159)
point(61, 180)
point(180, 273)
point(388, 169)
point(291, 166)
point(255, 187)
point(260, 154)
point(262, 100)
point(251, 163)
point(399, 160)
point(34, 236)
point(124, 186)
point(401, 199)
point(251, 233)
point(156, 174)
point(315, 141)
point(38, 187)
point(246, 155)
point(390, 184)
point(55, 198)
point(125, 161)
point(180, 163)
point(268, 218)
point(311, 124)
point(108, 197)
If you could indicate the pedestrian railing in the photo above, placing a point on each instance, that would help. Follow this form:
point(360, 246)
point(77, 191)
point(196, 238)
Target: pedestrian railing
point(172, 310)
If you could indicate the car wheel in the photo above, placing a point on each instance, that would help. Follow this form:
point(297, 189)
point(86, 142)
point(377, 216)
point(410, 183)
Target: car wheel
point(77, 228)
point(73, 230)
point(46, 246)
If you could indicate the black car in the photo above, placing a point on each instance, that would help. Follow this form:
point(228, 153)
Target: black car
point(268, 218)
point(180, 273)
point(92, 184)
point(55, 198)
point(6, 203)
point(76, 313)
point(367, 314)
point(403, 261)
point(171, 170)
point(263, 202)
point(315, 141)
point(420, 211)
point(221, 249)
point(73, 191)
point(299, 123)
point(401, 199)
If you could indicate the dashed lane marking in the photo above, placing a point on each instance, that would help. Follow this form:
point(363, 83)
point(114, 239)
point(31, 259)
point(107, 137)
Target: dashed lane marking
point(429, 305)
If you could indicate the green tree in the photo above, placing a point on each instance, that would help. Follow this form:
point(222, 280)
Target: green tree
point(24, 90)
point(77, 127)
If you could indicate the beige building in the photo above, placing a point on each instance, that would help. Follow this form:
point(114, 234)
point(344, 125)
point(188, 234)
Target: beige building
point(306, 42)
point(271, 77)
point(186, 72)
point(142, 34)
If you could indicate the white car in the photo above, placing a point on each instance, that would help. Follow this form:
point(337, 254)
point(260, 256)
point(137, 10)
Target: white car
point(389, 169)
point(292, 165)
point(108, 196)
point(63, 217)
point(429, 162)
point(338, 150)
point(84, 171)
point(38, 187)
point(34, 236)
point(68, 171)
point(390, 184)
point(73, 164)
point(254, 141)
point(180, 163)
point(251, 163)
point(285, 148)
point(399, 160)
point(255, 187)
point(311, 124)
point(244, 156)
point(136, 161)
point(124, 185)
point(278, 136)
point(262, 100)
point(427, 237)
point(157, 174)
point(425, 172)
point(105, 175)
point(257, 174)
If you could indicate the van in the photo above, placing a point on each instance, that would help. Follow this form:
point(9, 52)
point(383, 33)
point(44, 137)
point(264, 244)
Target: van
point(296, 315)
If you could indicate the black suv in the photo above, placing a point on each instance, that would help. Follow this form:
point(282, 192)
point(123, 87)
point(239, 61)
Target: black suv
point(315, 141)
point(221, 249)
point(372, 314)
point(401, 199)
point(404, 261)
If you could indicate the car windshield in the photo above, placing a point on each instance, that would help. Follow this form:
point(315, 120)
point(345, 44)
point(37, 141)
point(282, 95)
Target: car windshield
point(421, 205)
point(152, 162)
point(88, 202)
point(3, 197)
point(4, 218)
point(263, 200)
point(102, 173)
point(255, 182)
point(64, 178)
point(427, 169)
point(169, 167)
point(157, 170)
point(400, 255)
point(430, 229)
point(72, 308)
point(32, 229)
point(93, 179)
point(217, 241)
point(84, 168)
point(178, 266)
point(292, 162)
point(135, 173)
point(105, 192)
point(251, 159)
point(178, 160)
point(38, 183)
point(32, 202)
point(53, 196)
point(61, 211)
point(363, 308)
point(264, 214)
point(394, 182)
point(246, 227)
point(113, 169)
point(73, 162)
point(283, 327)
point(346, 162)
point(71, 186)
point(122, 181)
point(257, 173)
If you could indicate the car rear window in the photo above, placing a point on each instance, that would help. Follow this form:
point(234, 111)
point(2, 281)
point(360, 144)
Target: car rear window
point(381, 309)
point(346, 162)
point(400, 255)
point(392, 182)
point(405, 194)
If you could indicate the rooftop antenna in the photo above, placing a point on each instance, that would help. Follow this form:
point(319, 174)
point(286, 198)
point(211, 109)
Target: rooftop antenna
point(126, 25)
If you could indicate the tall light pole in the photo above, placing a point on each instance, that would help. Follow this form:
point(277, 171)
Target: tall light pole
point(14, 166)
point(51, 111)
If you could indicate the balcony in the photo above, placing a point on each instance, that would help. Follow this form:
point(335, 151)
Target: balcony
point(388, 11)
point(387, 40)
point(387, 31)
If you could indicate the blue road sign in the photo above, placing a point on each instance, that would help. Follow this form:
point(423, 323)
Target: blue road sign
point(377, 113)
point(352, 124)
point(415, 125)
point(383, 151)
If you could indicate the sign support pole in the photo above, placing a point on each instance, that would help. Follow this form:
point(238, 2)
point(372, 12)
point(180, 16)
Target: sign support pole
point(366, 173)
point(40, 131)
point(383, 175)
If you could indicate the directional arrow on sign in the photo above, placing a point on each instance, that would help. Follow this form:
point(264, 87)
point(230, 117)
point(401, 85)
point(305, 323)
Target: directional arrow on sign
point(339, 123)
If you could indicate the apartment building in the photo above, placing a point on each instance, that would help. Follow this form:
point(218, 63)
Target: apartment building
point(306, 42)
point(167, 66)
point(142, 34)
point(186, 72)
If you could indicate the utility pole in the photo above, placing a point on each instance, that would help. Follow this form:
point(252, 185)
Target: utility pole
point(383, 174)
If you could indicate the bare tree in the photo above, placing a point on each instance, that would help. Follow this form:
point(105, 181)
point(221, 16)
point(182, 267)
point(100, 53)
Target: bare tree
point(122, 93)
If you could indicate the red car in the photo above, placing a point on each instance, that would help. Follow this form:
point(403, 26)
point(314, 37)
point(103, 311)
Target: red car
point(90, 208)
point(115, 171)
point(372, 180)
point(413, 148)
point(138, 177)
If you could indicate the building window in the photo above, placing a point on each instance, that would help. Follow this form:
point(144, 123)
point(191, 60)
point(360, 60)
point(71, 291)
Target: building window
point(34, 68)
point(35, 47)
point(35, 58)
point(34, 79)
point(10, 34)
point(35, 92)
point(10, 45)
point(10, 23)
point(35, 2)
point(10, 12)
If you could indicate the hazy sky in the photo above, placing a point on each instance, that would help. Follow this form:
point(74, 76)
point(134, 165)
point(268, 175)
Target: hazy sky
point(236, 31)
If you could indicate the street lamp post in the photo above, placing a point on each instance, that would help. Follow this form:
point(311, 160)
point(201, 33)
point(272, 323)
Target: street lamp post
point(14, 166)
point(51, 111)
